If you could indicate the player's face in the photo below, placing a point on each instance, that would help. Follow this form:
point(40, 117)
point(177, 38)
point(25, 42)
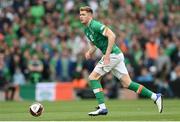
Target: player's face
point(84, 17)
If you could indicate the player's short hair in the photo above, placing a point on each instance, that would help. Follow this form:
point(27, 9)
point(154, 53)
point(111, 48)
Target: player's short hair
point(87, 9)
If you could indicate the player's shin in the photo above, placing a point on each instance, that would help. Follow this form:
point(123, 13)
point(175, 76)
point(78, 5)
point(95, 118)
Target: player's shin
point(98, 91)
point(140, 89)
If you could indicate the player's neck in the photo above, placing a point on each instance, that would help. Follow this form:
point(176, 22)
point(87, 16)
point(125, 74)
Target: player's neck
point(89, 22)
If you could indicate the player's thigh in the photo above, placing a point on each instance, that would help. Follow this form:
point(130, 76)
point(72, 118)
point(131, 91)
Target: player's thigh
point(94, 76)
point(120, 71)
point(102, 69)
point(97, 73)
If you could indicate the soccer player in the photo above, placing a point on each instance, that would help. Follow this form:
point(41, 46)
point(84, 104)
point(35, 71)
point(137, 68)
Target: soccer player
point(102, 37)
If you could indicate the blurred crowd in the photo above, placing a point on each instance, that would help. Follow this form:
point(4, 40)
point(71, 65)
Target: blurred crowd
point(43, 41)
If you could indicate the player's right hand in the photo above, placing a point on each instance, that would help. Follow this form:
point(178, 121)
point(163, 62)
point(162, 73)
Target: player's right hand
point(88, 55)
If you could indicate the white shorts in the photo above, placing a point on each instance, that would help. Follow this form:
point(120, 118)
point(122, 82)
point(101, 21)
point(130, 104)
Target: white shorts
point(117, 66)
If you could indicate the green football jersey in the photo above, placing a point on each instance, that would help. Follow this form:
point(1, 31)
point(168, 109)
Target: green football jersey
point(94, 32)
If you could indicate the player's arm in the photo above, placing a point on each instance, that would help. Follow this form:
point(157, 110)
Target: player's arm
point(111, 40)
point(91, 50)
point(104, 30)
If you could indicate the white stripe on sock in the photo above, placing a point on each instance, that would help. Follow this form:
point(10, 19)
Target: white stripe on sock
point(97, 90)
point(102, 106)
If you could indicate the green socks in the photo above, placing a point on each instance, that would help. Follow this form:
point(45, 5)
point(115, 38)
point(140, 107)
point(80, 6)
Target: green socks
point(140, 89)
point(98, 91)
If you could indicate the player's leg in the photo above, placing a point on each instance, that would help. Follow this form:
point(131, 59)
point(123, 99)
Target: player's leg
point(140, 89)
point(121, 73)
point(136, 87)
point(94, 78)
point(95, 84)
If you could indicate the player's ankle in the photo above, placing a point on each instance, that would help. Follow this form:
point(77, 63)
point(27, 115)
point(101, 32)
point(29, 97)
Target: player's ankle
point(102, 106)
point(154, 96)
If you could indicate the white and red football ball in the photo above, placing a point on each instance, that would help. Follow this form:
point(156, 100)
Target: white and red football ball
point(36, 109)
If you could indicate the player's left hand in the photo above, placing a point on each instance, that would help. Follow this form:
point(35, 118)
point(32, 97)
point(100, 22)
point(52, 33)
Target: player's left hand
point(106, 59)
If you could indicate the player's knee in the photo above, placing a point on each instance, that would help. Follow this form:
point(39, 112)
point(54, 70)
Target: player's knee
point(125, 84)
point(91, 77)
point(125, 80)
point(94, 76)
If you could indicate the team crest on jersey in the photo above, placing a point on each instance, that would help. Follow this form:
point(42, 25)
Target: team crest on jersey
point(91, 37)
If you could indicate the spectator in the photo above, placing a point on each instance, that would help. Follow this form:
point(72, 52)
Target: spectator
point(162, 61)
point(35, 67)
point(151, 51)
point(145, 76)
point(17, 80)
point(64, 67)
point(5, 79)
point(46, 64)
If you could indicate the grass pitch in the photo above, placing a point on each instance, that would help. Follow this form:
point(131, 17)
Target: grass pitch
point(119, 110)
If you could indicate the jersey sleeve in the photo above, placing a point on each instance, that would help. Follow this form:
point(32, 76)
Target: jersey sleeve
point(98, 27)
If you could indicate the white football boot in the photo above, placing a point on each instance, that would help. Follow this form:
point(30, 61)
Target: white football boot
point(159, 102)
point(99, 111)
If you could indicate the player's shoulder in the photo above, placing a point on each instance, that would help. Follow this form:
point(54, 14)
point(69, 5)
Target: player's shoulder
point(96, 24)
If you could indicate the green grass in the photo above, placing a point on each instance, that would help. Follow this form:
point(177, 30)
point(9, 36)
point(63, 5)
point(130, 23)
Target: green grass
point(119, 110)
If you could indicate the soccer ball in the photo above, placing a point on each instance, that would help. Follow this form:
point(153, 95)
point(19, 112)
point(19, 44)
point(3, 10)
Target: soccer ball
point(36, 109)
